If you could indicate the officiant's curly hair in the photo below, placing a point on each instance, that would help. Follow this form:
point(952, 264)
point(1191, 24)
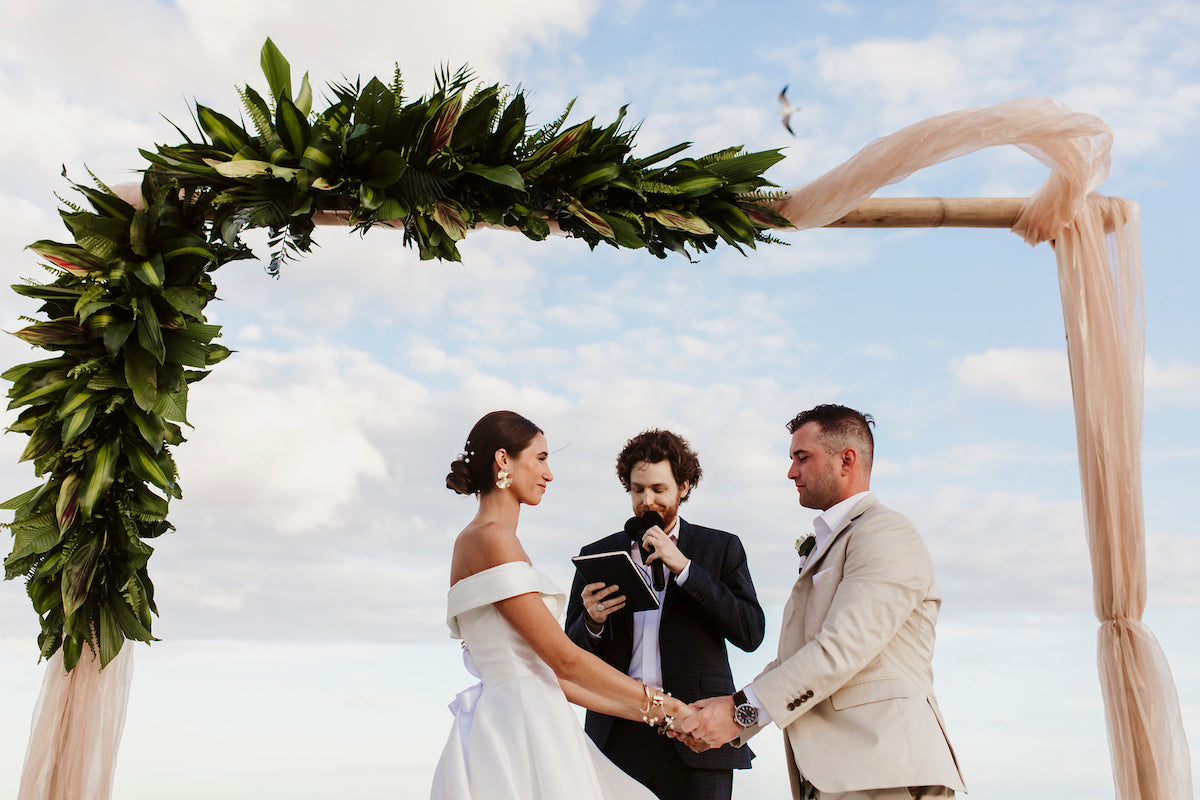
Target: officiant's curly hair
point(656, 445)
point(473, 471)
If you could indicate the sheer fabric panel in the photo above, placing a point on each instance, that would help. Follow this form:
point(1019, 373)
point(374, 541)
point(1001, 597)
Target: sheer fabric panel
point(1100, 280)
point(76, 729)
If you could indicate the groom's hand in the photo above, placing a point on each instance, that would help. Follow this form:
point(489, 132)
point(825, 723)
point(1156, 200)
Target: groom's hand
point(688, 739)
point(713, 723)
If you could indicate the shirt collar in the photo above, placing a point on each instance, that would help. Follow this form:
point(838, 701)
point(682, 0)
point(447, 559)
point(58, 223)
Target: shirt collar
point(673, 531)
point(832, 518)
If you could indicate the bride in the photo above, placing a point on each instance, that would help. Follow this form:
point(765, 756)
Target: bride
point(515, 735)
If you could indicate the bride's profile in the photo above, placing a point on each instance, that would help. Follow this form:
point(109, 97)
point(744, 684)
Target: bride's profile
point(515, 734)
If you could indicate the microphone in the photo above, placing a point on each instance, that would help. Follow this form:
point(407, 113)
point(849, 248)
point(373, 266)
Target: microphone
point(635, 527)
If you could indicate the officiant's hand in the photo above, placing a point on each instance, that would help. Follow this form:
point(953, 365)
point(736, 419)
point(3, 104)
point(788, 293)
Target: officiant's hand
point(665, 550)
point(599, 603)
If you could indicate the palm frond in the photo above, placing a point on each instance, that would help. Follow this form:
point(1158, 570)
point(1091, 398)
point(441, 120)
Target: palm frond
point(448, 83)
point(418, 186)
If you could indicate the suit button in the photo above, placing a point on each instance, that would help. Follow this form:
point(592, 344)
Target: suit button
point(791, 705)
point(809, 693)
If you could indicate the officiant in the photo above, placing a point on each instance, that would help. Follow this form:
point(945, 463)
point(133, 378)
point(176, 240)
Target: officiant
point(706, 597)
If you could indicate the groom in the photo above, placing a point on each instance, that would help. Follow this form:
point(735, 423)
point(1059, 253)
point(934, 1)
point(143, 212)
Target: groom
point(707, 598)
point(852, 687)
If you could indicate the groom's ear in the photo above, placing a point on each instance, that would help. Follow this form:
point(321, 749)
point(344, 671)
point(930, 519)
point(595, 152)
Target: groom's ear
point(849, 459)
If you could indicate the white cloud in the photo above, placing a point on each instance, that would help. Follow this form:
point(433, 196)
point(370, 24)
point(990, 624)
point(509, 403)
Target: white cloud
point(898, 69)
point(1037, 377)
point(1041, 377)
point(1172, 561)
point(1132, 67)
point(1176, 382)
point(999, 549)
point(291, 435)
point(970, 459)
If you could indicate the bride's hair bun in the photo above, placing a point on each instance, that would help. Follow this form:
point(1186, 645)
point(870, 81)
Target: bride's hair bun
point(472, 472)
point(459, 477)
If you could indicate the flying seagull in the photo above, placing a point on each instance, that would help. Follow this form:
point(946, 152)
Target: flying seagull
point(786, 109)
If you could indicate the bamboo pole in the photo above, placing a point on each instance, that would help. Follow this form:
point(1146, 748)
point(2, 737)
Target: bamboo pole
point(874, 212)
point(933, 212)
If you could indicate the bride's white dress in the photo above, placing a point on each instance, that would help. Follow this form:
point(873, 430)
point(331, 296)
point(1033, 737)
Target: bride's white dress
point(515, 736)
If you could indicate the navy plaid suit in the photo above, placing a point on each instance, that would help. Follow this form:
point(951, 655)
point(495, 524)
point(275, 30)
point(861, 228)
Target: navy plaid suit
point(716, 603)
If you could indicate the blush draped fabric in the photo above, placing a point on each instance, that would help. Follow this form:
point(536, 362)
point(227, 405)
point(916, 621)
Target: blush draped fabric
point(76, 730)
point(1102, 305)
point(1095, 239)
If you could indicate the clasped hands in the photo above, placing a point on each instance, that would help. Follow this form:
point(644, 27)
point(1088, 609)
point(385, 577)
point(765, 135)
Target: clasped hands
point(710, 724)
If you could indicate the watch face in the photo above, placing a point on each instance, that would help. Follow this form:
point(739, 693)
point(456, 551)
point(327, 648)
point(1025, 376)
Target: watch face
point(745, 715)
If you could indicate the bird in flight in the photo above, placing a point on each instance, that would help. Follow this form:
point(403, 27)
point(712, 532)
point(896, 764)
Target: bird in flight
point(786, 109)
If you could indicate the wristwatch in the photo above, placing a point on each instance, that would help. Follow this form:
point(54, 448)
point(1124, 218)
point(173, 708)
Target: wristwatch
point(744, 712)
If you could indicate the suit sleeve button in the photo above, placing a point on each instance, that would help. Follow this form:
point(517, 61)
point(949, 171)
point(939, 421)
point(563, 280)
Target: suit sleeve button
point(809, 693)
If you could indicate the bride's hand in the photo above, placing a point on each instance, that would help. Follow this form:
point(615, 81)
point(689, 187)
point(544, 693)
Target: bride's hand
point(678, 711)
point(676, 731)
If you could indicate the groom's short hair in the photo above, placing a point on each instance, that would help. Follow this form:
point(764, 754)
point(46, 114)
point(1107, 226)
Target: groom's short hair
point(656, 445)
point(841, 428)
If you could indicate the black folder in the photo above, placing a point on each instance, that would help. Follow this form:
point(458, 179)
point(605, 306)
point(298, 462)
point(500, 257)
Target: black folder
point(618, 568)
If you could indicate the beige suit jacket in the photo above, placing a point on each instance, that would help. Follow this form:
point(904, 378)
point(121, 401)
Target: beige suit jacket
point(852, 687)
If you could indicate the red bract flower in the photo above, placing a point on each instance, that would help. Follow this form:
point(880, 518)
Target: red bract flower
point(51, 334)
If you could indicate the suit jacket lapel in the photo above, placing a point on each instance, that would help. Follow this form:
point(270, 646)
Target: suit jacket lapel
point(683, 541)
point(791, 635)
point(819, 552)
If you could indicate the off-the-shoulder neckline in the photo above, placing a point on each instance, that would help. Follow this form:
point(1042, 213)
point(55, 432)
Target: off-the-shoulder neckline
point(460, 581)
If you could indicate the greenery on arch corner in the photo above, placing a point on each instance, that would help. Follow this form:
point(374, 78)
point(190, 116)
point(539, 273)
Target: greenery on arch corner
point(122, 319)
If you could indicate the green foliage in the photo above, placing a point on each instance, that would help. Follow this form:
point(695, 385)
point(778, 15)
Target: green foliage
point(124, 316)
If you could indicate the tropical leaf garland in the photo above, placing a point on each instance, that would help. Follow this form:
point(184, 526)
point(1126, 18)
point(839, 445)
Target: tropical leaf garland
point(124, 314)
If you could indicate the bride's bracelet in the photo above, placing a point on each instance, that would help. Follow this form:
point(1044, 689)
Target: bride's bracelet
point(654, 714)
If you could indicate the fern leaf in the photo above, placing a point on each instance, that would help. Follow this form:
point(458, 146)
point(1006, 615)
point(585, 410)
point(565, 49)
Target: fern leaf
point(101, 185)
point(397, 87)
point(76, 208)
point(547, 132)
point(656, 187)
point(88, 367)
point(720, 155)
point(256, 111)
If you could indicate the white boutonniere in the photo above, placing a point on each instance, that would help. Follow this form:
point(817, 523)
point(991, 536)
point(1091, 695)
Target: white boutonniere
point(804, 547)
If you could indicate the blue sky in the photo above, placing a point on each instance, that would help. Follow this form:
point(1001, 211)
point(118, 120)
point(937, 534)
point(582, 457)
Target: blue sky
point(304, 650)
